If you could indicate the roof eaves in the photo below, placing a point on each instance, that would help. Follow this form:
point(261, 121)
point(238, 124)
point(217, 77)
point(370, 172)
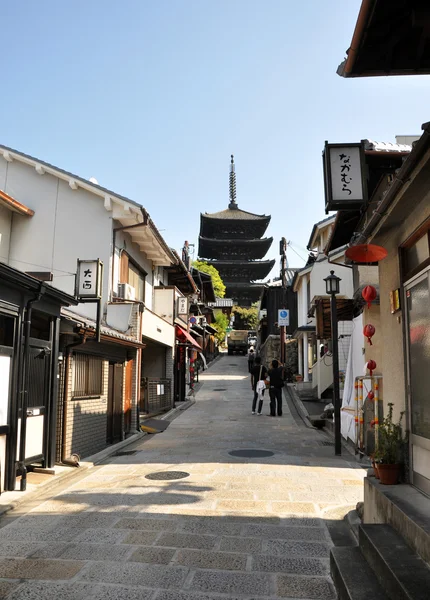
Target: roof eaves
point(317, 227)
point(345, 68)
point(14, 205)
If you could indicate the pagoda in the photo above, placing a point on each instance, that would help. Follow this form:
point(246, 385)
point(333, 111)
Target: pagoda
point(232, 241)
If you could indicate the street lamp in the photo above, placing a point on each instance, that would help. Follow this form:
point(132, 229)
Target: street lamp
point(332, 283)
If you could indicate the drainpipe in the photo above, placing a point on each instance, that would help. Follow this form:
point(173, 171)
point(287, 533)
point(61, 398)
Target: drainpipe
point(124, 228)
point(68, 352)
point(366, 6)
point(24, 389)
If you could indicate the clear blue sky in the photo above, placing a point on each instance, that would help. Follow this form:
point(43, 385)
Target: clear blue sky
point(151, 98)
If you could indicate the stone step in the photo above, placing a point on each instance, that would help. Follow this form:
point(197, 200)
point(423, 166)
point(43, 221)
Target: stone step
point(352, 576)
point(401, 572)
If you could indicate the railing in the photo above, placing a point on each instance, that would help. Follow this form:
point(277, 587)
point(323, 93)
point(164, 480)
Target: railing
point(157, 395)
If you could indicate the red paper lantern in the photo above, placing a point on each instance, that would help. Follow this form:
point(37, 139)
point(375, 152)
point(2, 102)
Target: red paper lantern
point(370, 395)
point(369, 331)
point(369, 294)
point(371, 365)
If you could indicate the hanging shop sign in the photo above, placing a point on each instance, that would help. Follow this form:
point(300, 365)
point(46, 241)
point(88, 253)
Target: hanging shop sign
point(89, 279)
point(182, 306)
point(344, 176)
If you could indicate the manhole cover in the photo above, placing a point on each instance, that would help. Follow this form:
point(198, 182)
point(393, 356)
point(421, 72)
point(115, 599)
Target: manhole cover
point(326, 443)
point(126, 453)
point(166, 475)
point(251, 453)
point(220, 389)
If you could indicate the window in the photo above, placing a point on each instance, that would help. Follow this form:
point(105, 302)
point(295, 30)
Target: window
point(131, 274)
point(88, 376)
point(416, 252)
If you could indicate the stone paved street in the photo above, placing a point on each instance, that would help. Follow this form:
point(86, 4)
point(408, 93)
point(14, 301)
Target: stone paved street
point(235, 528)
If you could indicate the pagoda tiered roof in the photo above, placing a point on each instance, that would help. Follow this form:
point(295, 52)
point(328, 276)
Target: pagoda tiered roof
point(242, 270)
point(233, 249)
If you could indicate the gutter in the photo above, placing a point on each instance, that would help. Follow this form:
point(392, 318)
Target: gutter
point(400, 178)
point(346, 67)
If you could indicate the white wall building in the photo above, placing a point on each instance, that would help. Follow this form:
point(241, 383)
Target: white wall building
point(71, 218)
point(315, 368)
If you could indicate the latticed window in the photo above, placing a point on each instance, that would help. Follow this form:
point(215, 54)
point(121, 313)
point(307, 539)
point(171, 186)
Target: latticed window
point(88, 376)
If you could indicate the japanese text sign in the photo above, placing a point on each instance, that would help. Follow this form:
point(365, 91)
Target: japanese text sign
point(89, 279)
point(343, 172)
point(182, 306)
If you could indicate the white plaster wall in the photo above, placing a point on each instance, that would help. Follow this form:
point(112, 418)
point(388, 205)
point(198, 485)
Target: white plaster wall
point(321, 270)
point(300, 318)
point(67, 225)
point(5, 225)
point(164, 303)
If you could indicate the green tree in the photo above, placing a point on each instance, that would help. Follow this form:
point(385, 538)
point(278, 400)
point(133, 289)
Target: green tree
point(217, 282)
point(221, 324)
point(245, 318)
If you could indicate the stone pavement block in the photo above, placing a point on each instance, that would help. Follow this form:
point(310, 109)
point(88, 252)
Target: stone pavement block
point(6, 587)
point(313, 534)
point(96, 552)
point(287, 548)
point(135, 574)
point(49, 550)
point(169, 595)
point(202, 559)
point(231, 583)
point(316, 588)
point(151, 554)
point(27, 568)
point(241, 505)
point(39, 522)
point(36, 590)
point(59, 507)
point(101, 536)
point(297, 521)
point(297, 566)
point(293, 507)
point(187, 540)
point(21, 549)
point(92, 520)
point(115, 592)
point(213, 526)
point(147, 524)
point(139, 538)
point(64, 534)
point(239, 544)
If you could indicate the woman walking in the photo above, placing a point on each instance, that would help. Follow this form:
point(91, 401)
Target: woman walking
point(258, 376)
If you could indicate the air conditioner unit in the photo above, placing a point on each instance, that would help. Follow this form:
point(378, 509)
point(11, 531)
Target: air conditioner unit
point(126, 291)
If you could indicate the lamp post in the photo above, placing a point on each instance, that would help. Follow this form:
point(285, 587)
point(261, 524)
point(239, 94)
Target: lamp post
point(332, 288)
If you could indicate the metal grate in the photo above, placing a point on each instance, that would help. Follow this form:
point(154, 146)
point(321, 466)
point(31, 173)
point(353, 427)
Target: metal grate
point(220, 389)
point(251, 453)
point(167, 475)
point(126, 453)
point(326, 443)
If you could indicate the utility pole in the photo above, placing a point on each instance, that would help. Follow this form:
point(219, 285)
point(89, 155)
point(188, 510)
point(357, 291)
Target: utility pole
point(283, 253)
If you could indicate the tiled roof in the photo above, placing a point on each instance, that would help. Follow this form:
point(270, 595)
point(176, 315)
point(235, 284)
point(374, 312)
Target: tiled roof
point(386, 146)
point(235, 214)
point(90, 323)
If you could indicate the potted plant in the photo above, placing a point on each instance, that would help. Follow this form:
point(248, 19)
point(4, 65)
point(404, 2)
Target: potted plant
point(388, 455)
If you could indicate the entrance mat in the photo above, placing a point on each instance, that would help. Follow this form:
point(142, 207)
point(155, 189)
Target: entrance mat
point(154, 425)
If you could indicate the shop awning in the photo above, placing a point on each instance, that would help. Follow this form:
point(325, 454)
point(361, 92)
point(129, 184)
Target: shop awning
point(184, 336)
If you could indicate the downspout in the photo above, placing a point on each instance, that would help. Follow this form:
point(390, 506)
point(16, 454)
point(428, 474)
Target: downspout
point(124, 228)
point(68, 353)
point(24, 389)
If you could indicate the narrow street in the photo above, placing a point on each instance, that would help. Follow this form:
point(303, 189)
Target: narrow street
point(235, 528)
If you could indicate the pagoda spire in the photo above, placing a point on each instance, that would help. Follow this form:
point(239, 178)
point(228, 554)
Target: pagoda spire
point(232, 185)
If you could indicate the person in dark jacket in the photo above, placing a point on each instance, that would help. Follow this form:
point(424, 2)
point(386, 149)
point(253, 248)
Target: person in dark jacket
point(276, 374)
point(258, 373)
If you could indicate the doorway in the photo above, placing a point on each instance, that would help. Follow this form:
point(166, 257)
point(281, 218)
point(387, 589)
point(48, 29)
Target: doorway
point(417, 302)
point(114, 413)
point(127, 395)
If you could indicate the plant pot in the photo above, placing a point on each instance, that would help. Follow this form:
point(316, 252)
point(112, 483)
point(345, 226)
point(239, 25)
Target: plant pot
point(375, 469)
point(388, 474)
point(299, 378)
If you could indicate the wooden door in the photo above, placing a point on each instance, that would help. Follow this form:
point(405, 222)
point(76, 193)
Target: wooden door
point(114, 416)
point(127, 395)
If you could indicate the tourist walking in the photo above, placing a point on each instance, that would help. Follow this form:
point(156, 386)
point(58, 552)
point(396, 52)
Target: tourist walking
point(258, 384)
point(276, 375)
point(251, 358)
